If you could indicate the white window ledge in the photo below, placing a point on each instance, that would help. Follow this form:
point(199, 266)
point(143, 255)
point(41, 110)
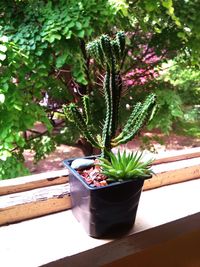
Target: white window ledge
point(59, 240)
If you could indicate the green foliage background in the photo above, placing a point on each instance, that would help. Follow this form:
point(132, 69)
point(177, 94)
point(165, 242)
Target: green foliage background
point(42, 51)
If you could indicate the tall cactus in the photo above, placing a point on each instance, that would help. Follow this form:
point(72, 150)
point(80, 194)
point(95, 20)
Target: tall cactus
point(108, 53)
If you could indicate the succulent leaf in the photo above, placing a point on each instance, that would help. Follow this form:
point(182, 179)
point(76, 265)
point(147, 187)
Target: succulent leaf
point(125, 166)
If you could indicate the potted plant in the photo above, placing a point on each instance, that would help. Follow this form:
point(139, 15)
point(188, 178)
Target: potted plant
point(105, 189)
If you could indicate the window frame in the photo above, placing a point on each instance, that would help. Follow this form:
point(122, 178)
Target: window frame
point(46, 193)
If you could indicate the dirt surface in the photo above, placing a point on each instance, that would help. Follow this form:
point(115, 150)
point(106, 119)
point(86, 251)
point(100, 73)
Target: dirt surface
point(54, 160)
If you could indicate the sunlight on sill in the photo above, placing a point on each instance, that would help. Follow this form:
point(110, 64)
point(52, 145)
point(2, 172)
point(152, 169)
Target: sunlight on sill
point(163, 213)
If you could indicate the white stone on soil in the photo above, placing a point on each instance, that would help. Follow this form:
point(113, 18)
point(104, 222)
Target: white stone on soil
point(79, 164)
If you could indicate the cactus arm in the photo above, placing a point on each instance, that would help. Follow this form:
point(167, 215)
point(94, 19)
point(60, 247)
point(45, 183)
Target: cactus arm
point(68, 113)
point(106, 134)
point(120, 39)
point(112, 99)
point(86, 108)
point(116, 50)
point(133, 117)
point(81, 124)
point(94, 49)
point(118, 46)
point(105, 43)
point(139, 117)
point(112, 93)
point(117, 89)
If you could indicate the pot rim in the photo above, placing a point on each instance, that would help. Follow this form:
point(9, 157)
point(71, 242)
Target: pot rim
point(67, 163)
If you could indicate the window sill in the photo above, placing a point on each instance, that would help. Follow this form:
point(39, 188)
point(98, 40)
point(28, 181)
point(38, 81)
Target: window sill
point(42, 194)
point(59, 240)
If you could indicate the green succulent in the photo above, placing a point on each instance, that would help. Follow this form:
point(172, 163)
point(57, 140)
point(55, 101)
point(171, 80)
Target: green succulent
point(125, 166)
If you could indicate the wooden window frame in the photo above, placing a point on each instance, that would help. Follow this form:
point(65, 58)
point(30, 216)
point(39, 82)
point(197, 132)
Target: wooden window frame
point(41, 194)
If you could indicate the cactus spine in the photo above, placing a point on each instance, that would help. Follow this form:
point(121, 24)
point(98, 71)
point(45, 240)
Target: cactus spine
point(108, 53)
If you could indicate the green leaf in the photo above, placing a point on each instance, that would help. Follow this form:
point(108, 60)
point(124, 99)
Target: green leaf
point(17, 107)
point(4, 39)
point(71, 24)
point(78, 25)
point(177, 112)
point(81, 33)
point(182, 35)
point(51, 38)
point(68, 34)
point(2, 98)
point(4, 155)
point(61, 60)
point(150, 5)
point(2, 57)
point(3, 48)
point(5, 87)
point(3, 133)
point(167, 3)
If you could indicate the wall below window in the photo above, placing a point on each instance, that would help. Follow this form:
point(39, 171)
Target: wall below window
point(180, 252)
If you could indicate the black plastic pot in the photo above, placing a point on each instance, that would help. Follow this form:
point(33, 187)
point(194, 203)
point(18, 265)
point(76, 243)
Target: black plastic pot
point(104, 210)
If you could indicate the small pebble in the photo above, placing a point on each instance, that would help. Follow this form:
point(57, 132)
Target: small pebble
point(80, 164)
point(103, 183)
